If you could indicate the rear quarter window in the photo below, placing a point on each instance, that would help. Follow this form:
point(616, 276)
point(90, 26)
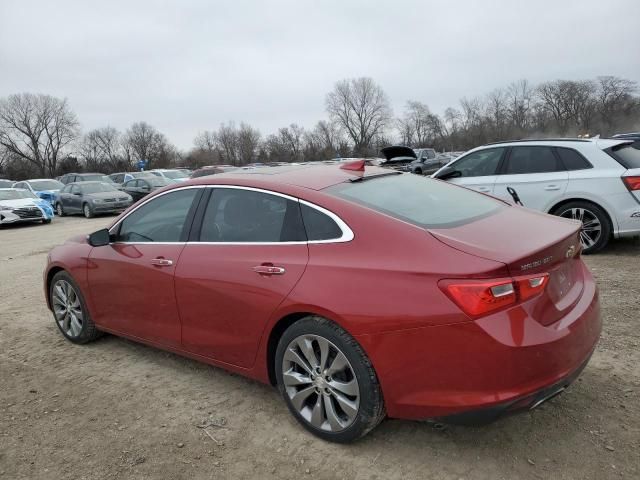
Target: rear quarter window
point(572, 160)
point(421, 201)
point(627, 155)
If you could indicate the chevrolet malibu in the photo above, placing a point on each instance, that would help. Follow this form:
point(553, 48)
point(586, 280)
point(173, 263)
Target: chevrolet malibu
point(358, 291)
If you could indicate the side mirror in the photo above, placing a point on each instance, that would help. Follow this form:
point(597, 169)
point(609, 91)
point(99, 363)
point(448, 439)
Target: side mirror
point(99, 238)
point(78, 194)
point(145, 188)
point(448, 172)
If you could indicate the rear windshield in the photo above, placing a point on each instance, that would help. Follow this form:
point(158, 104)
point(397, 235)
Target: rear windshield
point(628, 155)
point(422, 201)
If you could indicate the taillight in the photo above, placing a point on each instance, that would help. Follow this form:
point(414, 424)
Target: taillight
point(477, 298)
point(632, 183)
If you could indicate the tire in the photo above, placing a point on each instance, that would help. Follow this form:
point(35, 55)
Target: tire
point(86, 209)
point(594, 220)
point(46, 220)
point(418, 171)
point(318, 404)
point(60, 210)
point(70, 310)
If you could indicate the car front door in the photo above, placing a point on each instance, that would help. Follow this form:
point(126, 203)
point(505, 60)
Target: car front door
point(75, 199)
point(478, 169)
point(247, 256)
point(535, 173)
point(131, 280)
point(63, 197)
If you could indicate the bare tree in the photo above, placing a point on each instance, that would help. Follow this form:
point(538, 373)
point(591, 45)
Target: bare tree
point(416, 125)
point(614, 95)
point(248, 141)
point(102, 150)
point(519, 99)
point(361, 107)
point(37, 128)
point(144, 142)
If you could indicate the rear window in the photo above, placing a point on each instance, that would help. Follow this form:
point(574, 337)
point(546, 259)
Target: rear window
point(424, 202)
point(628, 155)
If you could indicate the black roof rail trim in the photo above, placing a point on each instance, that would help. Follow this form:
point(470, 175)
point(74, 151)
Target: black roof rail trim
point(582, 140)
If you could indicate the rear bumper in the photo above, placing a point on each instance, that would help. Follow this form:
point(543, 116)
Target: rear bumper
point(492, 363)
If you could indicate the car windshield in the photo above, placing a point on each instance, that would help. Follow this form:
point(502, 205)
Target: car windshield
point(158, 181)
point(97, 187)
point(174, 174)
point(40, 185)
point(97, 178)
point(142, 174)
point(421, 201)
point(16, 194)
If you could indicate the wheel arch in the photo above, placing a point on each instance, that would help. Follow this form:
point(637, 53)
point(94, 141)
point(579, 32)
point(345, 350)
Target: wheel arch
point(50, 274)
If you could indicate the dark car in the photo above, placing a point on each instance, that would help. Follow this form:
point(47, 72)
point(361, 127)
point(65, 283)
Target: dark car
point(397, 157)
point(204, 171)
point(91, 198)
point(122, 177)
point(141, 187)
point(86, 177)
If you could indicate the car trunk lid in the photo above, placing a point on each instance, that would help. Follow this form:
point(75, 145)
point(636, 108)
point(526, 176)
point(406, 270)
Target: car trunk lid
point(533, 243)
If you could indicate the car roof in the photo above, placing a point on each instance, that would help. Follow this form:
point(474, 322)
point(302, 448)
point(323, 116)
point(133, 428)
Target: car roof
point(314, 177)
point(601, 143)
point(38, 180)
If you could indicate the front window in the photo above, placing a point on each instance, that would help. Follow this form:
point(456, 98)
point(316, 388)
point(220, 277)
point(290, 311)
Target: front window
point(160, 220)
point(421, 201)
point(16, 194)
point(40, 185)
point(479, 164)
point(156, 182)
point(97, 188)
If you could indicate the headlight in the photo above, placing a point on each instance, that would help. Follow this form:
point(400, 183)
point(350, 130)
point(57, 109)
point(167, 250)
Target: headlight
point(96, 200)
point(6, 207)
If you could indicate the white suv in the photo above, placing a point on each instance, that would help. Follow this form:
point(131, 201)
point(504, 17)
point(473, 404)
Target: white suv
point(596, 181)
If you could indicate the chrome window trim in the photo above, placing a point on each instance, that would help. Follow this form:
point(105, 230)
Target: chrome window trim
point(347, 233)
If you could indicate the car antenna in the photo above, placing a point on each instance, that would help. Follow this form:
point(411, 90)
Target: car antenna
point(515, 196)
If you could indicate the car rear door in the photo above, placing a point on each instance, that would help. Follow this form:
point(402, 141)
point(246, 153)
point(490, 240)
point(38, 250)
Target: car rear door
point(247, 252)
point(131, 280)
point(536, 173)
point(478, 169)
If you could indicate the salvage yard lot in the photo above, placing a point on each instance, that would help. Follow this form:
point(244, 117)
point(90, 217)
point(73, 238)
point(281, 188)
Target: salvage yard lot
point(117, 409)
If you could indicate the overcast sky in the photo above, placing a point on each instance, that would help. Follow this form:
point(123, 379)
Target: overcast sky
point(187, 66)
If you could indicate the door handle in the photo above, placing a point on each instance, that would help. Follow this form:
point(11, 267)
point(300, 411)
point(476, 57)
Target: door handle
point(269, 270)
point(484, 189)
point(550, 188)
point(161, 262)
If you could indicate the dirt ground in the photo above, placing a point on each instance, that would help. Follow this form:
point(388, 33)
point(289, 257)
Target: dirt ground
point(116, 409)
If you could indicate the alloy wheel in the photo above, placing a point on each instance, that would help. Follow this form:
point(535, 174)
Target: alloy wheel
point(87, 210)
point(320, 383)
point(591, 229)
point(67, 308)
point(59, 210)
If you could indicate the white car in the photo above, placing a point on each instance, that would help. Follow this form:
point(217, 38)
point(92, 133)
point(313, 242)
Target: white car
point(18, 205)
point(596, 181)
point(173, 175)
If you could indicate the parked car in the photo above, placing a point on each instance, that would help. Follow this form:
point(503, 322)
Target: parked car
point(286, 276)
point(86, 177)
point(90, 199)
point(628, 136)
point(4, 183)
point(204, 171)
point(18, 205)
point(122, 177)
point(141, 187)
point(173, 175)
point(45, 188)
point(596, 181)
point(426, 164)
point(397, 157)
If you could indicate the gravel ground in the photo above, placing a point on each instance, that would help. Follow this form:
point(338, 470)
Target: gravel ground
point(116, 409)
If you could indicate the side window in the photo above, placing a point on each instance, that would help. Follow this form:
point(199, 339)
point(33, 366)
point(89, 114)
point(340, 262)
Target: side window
point(479, 164)
point(532, 160)
point(66, 189)
point(20, 185)
point(318, 225)
point(132, 183)
point(243, 216)
point(573, 160)
point(160, 220)
point(75, 189)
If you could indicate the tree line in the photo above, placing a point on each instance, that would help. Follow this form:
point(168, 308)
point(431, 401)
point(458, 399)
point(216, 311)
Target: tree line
point(40, 135)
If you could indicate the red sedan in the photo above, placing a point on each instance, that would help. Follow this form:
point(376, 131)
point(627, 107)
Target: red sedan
point(360, 292)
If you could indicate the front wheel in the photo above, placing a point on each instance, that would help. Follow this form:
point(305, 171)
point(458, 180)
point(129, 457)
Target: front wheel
point(59, 210)
point(596, 228)
point(46, 220)
point(327, 381)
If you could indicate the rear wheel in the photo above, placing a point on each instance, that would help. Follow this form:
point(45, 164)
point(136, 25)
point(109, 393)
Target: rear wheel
point(327, 381)
point(70, 310)
point(86, 209)
point(596, 227)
